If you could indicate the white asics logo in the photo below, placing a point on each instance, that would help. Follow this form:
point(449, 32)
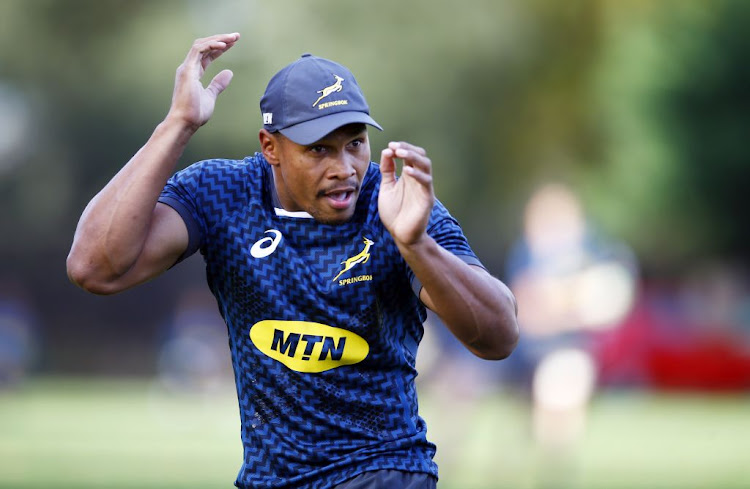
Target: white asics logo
point(265, 246)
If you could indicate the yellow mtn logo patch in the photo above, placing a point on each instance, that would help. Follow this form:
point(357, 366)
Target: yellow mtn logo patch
point(308, 347)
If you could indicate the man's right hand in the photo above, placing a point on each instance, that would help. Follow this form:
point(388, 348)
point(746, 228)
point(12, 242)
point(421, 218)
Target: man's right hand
point(192, 104)
point(125, 236)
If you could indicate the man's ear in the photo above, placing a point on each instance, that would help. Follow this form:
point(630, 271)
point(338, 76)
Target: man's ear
point(269, 146)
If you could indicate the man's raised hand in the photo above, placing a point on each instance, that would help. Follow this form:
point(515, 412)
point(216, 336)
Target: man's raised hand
point(192, 104)
point(405, 203)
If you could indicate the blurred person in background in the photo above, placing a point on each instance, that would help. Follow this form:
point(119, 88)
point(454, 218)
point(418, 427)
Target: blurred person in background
point(569, 282)
point(18, 336)
point(322, 263)
point(193, 354)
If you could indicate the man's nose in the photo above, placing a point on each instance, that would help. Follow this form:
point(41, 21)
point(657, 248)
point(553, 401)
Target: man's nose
point(342, 166)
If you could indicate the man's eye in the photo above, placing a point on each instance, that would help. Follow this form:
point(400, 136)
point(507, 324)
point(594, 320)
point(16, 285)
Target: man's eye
point(356, 143)
point(317, 149)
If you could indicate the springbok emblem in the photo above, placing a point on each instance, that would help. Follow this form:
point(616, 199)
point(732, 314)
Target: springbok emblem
point(360, 257)
point(336, 87)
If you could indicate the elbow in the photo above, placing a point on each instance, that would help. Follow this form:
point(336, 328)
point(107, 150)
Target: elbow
point(495, 353)
point(500, 345)
point(501, 332)
point(83, 274)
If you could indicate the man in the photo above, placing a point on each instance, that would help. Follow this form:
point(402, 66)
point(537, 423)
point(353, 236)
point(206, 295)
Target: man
point(321, 262)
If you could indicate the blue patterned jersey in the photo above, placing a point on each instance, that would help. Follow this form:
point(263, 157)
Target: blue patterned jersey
point(323, 325)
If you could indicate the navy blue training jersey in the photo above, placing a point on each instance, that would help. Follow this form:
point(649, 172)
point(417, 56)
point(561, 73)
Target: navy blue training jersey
point(323, 323)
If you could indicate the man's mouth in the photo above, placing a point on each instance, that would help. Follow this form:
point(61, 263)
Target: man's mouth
point(340, 198)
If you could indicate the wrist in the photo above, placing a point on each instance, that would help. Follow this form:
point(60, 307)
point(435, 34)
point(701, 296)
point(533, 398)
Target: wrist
point(175, 122)
point(421, 246)
point(172, 135)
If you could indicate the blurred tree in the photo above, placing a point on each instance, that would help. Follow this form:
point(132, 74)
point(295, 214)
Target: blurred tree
point(708, 119)
point(673, 113)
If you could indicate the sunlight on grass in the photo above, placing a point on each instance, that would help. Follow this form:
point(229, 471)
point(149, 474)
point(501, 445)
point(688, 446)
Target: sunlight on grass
point(72, 433)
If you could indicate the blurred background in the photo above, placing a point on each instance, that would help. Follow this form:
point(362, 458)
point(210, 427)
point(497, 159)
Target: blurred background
point(593, 150)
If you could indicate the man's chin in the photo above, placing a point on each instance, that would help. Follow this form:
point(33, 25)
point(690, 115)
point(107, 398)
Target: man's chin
point(334, 218)
point(329, 215)
point(334, 221)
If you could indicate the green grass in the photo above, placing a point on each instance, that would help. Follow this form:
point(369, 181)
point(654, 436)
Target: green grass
point(69, 433)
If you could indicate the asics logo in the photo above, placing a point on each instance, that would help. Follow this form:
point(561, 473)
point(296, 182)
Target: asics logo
point(265, 246)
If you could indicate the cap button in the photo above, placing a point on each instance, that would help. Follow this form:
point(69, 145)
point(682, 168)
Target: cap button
point(306, 55)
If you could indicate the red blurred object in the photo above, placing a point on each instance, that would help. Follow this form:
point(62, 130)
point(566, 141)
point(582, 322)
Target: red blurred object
point(716, 364)
point(656, 347)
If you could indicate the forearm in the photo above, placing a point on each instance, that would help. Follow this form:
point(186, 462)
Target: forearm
point(114, 226)
point(478, 309)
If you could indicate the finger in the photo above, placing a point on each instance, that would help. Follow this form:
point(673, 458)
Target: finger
point(403, 144)
point(205, 50)
point(415, 159)
point(228, 39)
point(210, 56)
point(424, 178)
point(387, 166)
point(196, 60)
point(220, 82)
point(211, 51)
point(201, 47)
point(216, 49)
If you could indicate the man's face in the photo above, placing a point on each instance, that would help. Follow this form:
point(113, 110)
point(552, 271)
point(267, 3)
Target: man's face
point(323, 178)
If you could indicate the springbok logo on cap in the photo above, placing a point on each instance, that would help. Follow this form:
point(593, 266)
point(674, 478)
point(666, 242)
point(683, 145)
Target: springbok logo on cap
point(336, 87)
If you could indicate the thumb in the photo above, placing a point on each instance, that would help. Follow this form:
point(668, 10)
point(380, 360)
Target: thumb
point(220, 82)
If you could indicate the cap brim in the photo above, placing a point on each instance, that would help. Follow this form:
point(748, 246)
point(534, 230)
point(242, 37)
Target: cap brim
point(311, 131)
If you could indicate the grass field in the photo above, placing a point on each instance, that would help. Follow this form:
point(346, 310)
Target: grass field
point(72, 433)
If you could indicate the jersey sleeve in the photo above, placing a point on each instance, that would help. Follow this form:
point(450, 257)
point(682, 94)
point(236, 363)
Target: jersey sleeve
point(446, 231)
point(181, 194)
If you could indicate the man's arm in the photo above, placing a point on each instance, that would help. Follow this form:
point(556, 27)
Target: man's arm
point(478, 309)
point(124, 237)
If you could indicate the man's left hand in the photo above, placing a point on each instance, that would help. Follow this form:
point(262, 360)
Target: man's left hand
point(405, 203)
